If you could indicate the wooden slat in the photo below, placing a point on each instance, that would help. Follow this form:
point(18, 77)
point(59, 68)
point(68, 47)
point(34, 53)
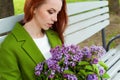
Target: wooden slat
point(86, 23)
point(115, 60)
point(84, 6)
point(114, 69)
point(6, 24)
point(81, 35)
point(111, 53)
point(116, 77)
point(108, 55)
point(87, 15)
point(112, 59)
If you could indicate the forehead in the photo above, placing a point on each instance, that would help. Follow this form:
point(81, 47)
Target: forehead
point(56, 4)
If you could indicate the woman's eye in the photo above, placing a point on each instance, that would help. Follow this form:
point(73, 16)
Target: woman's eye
point(50, 12)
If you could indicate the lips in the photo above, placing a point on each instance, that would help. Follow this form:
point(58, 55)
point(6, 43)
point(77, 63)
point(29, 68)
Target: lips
point(50, 25)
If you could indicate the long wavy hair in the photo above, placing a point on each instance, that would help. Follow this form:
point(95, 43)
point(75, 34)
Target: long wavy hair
point(62, 18)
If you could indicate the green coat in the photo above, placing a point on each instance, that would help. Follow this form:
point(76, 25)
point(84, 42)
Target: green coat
point(19, 54)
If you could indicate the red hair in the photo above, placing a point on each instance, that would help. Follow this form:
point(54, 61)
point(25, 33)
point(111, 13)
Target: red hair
point(62, 18)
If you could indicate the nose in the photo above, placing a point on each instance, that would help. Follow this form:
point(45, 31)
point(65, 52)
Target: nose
point(54, 18)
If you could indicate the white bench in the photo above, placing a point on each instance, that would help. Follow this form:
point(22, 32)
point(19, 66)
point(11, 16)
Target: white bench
point(85, 19)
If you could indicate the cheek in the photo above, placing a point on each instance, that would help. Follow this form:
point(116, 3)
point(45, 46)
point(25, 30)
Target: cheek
point(43, 15)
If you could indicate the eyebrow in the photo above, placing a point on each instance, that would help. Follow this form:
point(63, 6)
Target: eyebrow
point(53, 9)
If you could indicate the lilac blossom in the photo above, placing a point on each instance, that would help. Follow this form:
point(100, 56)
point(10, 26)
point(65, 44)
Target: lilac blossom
point(94, 61)
point(86, 51)
point(98, 50)
point(52, 64)
point(52, 74)
point(38, 69)
point(65, 62)
point(92, 77)
point(101, 70)
point(70, 77)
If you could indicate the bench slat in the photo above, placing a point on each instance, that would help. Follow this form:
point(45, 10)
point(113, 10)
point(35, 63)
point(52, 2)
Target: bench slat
point(7, 24)
point(114, 69)
point(87, 15)
point(110, 53)
point(84, 7)
point(83, 34)
point(113, 59)
point(82, 24)
point(116, 77)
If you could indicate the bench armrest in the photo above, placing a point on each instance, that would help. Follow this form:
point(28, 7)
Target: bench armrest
point(111, 40)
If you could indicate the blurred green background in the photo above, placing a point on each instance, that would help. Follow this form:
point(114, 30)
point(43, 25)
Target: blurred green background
point(18, 4)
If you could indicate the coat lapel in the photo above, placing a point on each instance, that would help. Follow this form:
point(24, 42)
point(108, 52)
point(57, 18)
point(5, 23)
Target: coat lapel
point(33, 51)
point(53, 38)
point(28, 44)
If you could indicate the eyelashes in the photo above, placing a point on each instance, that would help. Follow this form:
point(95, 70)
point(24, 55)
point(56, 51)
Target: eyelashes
point(51, 11)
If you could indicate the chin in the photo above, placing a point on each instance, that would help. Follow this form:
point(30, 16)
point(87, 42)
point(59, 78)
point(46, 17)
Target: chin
point(46, 28)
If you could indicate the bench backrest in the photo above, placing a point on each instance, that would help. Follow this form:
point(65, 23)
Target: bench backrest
point(85, 19)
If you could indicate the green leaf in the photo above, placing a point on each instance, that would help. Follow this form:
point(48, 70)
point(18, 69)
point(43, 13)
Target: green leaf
point(57, 79)
point(45, 67)
point(68, 72)
point(82, 72)
point(96, 69)
point(89, 67)
point(105, 76)
point(83, 63)
point(61, 62)
point(90, 73)
point(103, 65)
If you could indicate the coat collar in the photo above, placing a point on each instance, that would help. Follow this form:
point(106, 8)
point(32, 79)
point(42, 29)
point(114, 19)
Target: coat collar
point(28, 44)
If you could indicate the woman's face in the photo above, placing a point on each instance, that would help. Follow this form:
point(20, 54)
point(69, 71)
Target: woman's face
point(46, 14)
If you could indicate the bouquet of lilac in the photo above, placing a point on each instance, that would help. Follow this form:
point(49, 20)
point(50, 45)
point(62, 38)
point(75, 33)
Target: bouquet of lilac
point(72, 63)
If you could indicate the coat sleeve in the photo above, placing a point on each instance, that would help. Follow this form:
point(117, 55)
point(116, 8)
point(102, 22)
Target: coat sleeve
point(9, 69)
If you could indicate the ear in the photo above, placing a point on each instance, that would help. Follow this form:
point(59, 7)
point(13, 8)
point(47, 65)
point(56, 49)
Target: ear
point(34, 11)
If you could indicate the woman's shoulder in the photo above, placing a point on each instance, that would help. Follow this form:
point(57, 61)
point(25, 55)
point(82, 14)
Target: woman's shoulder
point(10, 39)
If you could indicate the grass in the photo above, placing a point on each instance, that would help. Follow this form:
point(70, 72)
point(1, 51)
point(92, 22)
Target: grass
point(18, 6)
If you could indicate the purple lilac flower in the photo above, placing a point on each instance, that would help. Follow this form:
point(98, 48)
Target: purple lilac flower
point(38, 69)
point(66, 62)
point(72, 63)
point(92, 77)
point(52, 64)
point(67, 56)
point(101, 70)
point(65, 49)
point(77, 57)
point(86, 51)
point(94, 61)
point(70, 77)
point(37, 73)
point(52, 74)
point(97, 50)
point(74, 48)
point(64, 68)
point(56, 53)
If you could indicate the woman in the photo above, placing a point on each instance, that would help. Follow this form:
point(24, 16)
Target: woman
point(30, 41)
